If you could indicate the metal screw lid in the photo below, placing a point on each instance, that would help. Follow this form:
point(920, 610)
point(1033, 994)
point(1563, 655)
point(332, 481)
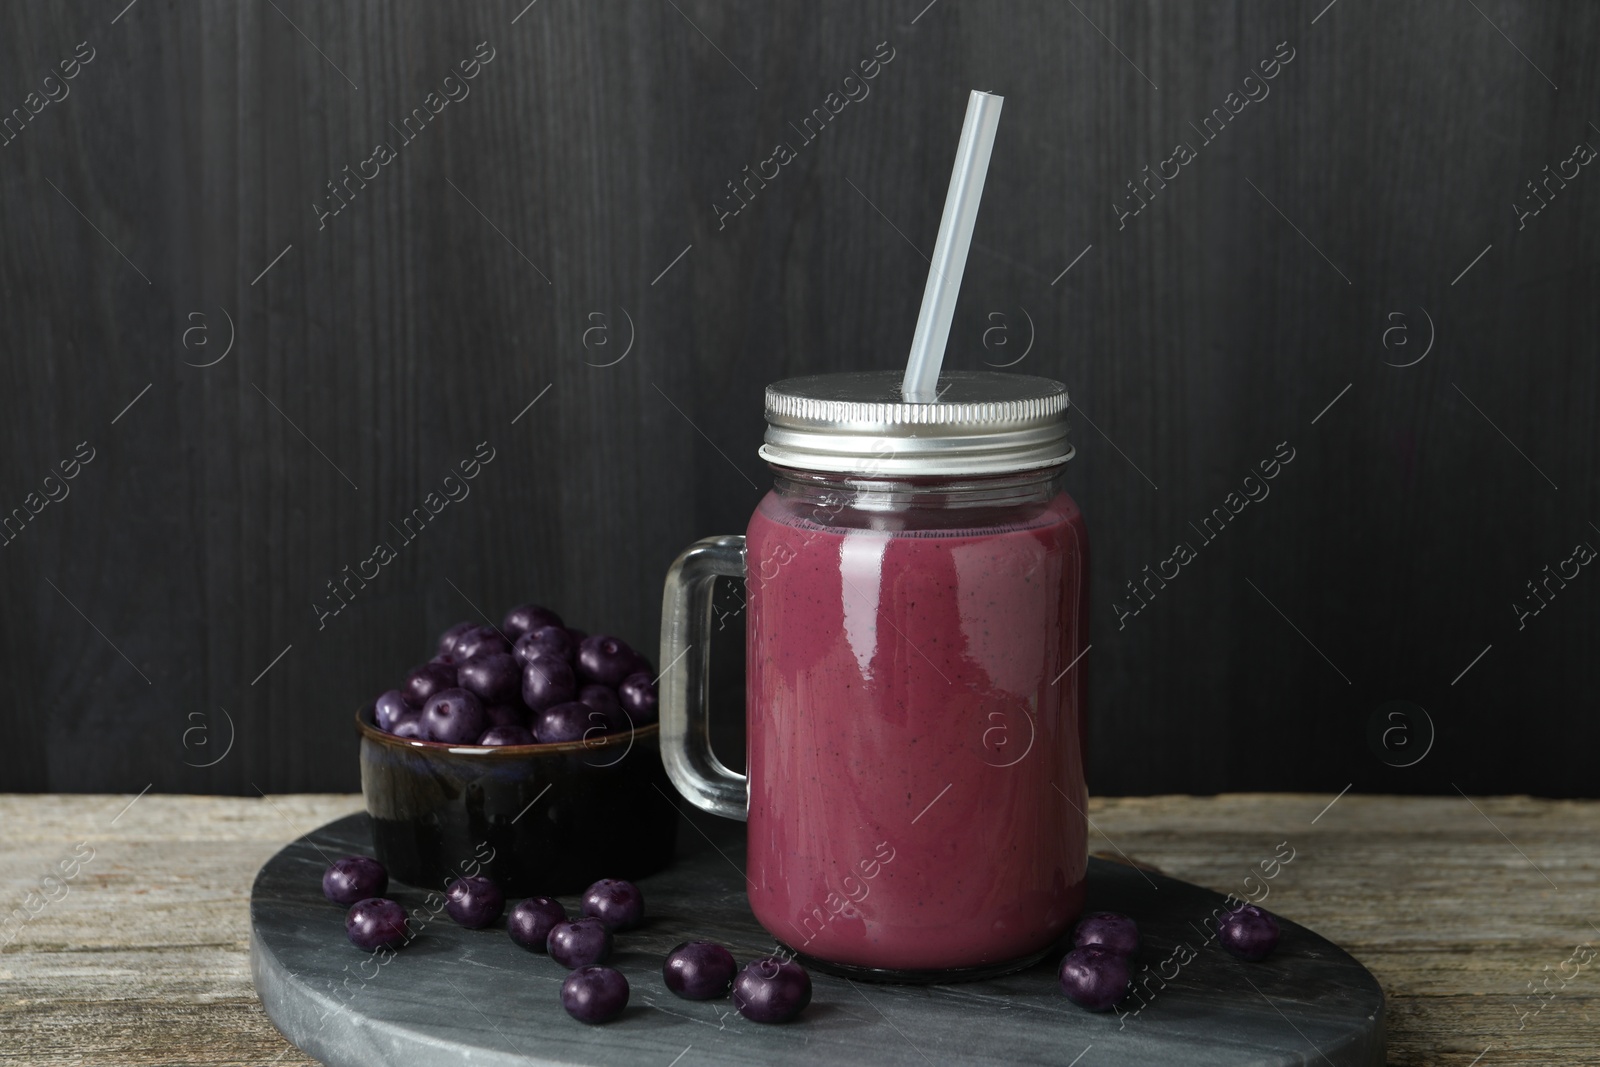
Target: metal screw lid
point(984, 423)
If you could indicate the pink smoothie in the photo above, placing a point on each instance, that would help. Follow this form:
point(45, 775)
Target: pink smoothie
point(916, 771)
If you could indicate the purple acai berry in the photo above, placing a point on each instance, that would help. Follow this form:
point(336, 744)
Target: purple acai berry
point(604, 659)
point(376, 923)
point(594, 994)
point(1094, 977)
point(1248, 932)
point(494, 677)
point(511, 713)
point(1113, 932)
point(531, 921)
point(455, 717)
point(771, 990)
point(599, 697)
point(699, 970)
point(579, 943)
point(389, 708)
point(447, 640)
point(427, 680)
point(354, 878)
point(524, 617)
point(603, 700)
point(478, 640)
point(474, 902)
point(545, 642)
point(499, 736)
point(614, 902)
point(638, 696)
point(410, 726)
point(571, 721)
point(547, 682)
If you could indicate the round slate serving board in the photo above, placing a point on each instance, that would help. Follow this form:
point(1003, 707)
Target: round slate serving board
point(456, 997)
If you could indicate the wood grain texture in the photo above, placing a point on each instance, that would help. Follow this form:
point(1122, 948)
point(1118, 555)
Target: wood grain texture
point(459, 283)
point(144, 959)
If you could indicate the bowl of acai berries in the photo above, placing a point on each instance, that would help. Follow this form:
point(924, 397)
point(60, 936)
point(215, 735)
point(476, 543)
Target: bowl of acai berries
point(529, 750)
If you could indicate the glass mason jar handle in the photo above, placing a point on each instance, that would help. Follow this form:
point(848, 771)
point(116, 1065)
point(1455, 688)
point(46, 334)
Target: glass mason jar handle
point(686, 650)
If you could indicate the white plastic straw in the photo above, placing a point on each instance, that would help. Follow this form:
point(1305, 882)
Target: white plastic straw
point(950, 250)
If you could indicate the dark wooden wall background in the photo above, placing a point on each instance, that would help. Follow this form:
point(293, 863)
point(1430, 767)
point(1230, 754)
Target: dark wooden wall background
point(380, 350)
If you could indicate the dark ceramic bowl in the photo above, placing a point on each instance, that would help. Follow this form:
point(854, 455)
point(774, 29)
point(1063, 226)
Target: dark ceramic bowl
point(539, 819)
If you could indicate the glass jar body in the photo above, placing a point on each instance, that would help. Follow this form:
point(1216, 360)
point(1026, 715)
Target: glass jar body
point(915, 720)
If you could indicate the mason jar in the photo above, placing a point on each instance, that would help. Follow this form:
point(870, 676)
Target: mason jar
point(916, 612)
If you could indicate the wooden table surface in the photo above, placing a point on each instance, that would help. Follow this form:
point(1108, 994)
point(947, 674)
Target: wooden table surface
point(136, 951)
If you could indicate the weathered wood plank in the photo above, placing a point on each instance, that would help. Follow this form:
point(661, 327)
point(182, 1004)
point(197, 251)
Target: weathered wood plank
point(144, 961)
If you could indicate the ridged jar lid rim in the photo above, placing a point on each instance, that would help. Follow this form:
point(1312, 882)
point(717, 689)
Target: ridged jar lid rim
point(954, 414)
point(808, 398)
point(985, 422)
